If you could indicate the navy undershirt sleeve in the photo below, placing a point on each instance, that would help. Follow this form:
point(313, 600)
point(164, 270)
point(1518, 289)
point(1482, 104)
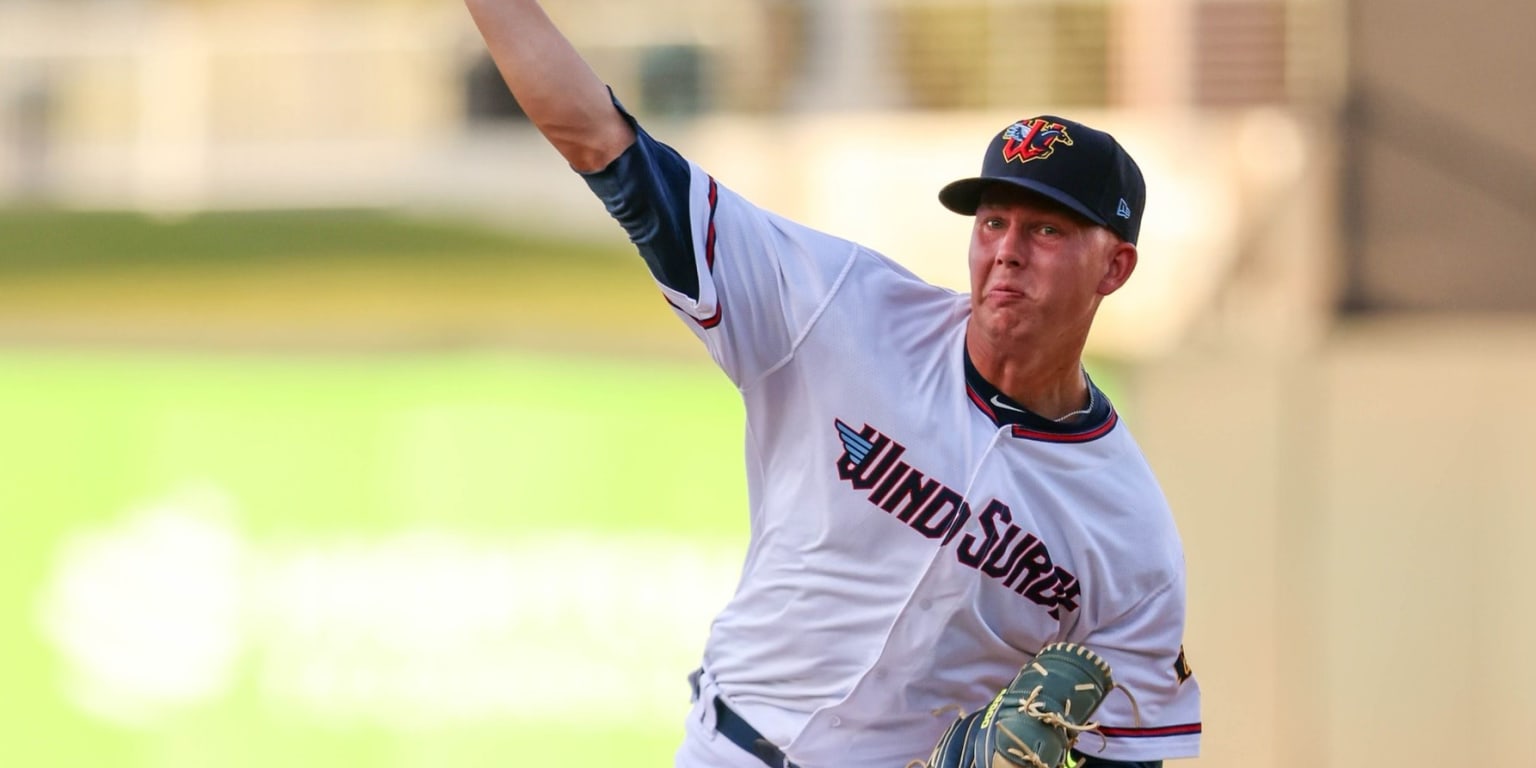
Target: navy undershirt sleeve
point(646, 190)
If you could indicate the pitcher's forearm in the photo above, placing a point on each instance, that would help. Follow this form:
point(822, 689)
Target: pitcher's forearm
point(555, 87)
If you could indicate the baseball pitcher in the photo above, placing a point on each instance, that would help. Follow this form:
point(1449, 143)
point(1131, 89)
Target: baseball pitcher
point(958, 554)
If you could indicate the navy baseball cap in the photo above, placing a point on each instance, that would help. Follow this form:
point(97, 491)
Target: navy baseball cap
point(1084, 169)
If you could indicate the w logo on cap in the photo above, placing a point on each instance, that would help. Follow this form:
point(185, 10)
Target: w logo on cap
point(1033, 139)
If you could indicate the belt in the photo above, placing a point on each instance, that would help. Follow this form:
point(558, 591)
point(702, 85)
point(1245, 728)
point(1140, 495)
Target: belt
point(741, 733)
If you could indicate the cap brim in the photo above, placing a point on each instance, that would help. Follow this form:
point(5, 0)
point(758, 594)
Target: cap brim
point(964, 196)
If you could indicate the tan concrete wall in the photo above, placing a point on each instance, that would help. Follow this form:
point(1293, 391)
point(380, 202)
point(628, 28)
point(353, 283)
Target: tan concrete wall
point(1442, 168)
point(1359, 524)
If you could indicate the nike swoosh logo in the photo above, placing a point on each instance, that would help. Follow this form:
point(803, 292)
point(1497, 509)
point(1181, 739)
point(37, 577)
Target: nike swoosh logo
point(997, 401)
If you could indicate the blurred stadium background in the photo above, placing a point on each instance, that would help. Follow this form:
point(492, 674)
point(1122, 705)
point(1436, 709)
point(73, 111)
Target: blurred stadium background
point(341, 428)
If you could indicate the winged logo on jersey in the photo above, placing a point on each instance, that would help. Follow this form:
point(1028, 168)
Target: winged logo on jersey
point(855, 444)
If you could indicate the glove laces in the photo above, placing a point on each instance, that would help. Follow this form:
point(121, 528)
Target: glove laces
point(1034, 708)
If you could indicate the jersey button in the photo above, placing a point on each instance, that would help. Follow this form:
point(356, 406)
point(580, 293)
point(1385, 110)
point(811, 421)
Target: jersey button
point(837, 722)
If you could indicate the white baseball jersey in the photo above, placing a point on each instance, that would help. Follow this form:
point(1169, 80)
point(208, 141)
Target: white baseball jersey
point(915, 535)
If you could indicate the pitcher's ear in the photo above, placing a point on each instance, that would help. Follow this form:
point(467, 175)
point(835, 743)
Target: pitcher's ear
point(1122, 262)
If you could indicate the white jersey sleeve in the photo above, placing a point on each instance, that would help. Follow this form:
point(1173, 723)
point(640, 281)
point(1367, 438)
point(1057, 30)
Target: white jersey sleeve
point(1160, 717)
point(749, 283)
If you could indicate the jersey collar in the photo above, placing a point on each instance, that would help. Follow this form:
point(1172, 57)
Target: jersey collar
point(1004, 410)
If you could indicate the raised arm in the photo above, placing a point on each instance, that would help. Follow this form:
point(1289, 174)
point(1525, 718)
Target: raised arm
point(555, 87)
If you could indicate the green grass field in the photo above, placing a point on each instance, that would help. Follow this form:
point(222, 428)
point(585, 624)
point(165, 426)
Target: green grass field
point(221, 428)
point(349, 488)
point(496, 455)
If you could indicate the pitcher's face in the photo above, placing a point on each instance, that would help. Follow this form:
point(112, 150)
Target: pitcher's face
point(1038, 269)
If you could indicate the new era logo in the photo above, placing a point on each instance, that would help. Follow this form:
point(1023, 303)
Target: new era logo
point(1124, 211)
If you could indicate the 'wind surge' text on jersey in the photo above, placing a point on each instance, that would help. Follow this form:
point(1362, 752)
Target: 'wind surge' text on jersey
point(911, 545)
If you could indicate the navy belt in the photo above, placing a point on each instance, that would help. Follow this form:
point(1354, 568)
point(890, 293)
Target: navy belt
point(742, 734)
